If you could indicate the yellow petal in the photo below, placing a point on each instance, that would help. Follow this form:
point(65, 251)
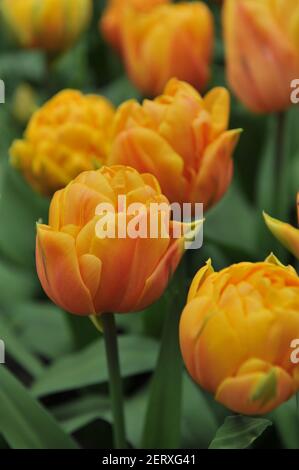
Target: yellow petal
point(285, 233)
point(199, 278)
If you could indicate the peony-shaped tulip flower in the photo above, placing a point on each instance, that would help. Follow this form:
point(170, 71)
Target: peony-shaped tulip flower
point(51, 25)
point(182, 139)
point(285, 233)
point(236, 333)
point(91, 258)
point(262, 51)
point(112, 19)
point(169, 41)
point(66, 136)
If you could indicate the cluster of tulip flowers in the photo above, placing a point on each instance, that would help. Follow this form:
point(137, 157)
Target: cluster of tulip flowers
point(237, 326)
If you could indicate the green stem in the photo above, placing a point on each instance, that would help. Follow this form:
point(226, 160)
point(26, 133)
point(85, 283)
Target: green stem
point(115, 382)
point(280, 166)
point(162, 426)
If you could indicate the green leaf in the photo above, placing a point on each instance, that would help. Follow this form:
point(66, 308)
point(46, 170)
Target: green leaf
point(249, 151)
point(41, 327)
point(85, 410)
point(88, 367)
point(286, 419)
point(163, 417)
point(7, 133)
point(20, 207)
point(239, 432)
point(19, 284)
point(24, 423)
point(220, 223)
point(78, 413)
point(199, 422)
point(16, 350)
point(266, 185)
point(18, 66)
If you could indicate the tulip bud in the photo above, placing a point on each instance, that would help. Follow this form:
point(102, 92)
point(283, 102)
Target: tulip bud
point(169, 41)
point(285, 233)
point(182, 139)
point(52, 25)
point(112, 19)
point(24, 103)
point(66, 136)
point(87, 272)
point(262, 51)
point(236, 331)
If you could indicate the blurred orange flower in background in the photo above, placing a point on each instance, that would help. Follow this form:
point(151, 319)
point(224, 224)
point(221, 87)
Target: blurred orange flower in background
point(285, 233)
point(85, 273)
point(169, 41)
point(182, 139)
point(52, 25)
point(112, 19)
point(66, 136)
point(262, 51)
point(236, 332)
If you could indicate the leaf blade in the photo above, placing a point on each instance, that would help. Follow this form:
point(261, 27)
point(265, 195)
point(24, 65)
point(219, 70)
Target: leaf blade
point(24, 423)
point(239, 432)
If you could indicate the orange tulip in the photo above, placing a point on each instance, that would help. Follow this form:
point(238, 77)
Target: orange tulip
point(285, 233)
point(262, 51)
point(236, 333)
point(180, 138)
point(52, 25)
point(169, 41)
point(86, 272)
point(66, 136)
point(112, 19)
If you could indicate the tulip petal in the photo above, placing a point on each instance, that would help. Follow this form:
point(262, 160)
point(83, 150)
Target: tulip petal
point(157, 282)
point(79, 203)
point(285, 233)
point(90, 269)
point(199, 278)
point(216, 169)
point(195, 316)
point(238, 393)
point(59, 273)
point(146, 151)
point(217, 103)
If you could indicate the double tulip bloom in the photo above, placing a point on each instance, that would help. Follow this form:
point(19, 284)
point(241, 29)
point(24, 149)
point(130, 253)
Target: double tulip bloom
point(262, 51)
point(113, 16)
point(285, 233)
point(236, 332)
point(161, 40)
point(182, 139)
point(86, 273)
point(66, 136)
point(170, 41)
point(52, 25)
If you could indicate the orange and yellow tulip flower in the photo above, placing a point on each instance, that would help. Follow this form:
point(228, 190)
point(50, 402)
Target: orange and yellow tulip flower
point(182, 139)
point(168, 41)
point(86, 273)
point(112, 19)
point(262, 51)
point(236, 333)
point(52, 25)
point(66, 136)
